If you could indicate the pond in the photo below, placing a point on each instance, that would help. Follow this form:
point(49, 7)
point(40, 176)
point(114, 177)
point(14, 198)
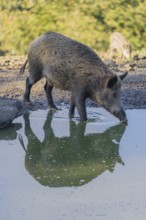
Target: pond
point(57, 169)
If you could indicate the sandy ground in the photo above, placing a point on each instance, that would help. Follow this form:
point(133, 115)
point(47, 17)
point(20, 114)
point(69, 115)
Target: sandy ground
point(12, 84)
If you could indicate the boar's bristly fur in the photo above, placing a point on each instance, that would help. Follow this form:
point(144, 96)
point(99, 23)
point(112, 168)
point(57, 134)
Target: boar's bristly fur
point(69, 65)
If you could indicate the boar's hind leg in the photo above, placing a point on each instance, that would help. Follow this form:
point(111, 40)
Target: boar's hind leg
point(27, 90)
point(28, 86)
point(48, 89)
point(34, 76)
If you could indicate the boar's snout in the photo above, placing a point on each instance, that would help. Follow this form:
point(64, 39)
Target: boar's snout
point(121, 115)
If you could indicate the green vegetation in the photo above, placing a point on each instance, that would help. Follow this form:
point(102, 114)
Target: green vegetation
point(88, 21)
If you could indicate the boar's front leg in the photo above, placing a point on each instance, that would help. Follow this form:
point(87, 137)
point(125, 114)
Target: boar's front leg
point(72, 107)
point(78, 100)
point(81, 107)
point(48, 89)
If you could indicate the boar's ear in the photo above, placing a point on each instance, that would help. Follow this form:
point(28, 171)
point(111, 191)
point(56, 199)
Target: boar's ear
point(123, 75)
point(112, 82)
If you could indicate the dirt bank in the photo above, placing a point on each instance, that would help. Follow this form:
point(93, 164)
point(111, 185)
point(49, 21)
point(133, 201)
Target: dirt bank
point(12, 84)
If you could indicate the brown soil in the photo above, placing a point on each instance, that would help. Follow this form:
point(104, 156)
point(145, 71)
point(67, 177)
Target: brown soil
point(12, 84)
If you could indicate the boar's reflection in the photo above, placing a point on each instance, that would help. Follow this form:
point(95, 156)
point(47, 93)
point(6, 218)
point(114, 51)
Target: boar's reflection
point(73, 160)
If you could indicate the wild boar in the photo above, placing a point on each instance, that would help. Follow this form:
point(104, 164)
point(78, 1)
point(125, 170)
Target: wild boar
point(120, 46)
point(73, 66)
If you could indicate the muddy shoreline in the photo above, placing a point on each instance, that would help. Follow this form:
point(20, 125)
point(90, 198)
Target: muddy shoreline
point(12, 85)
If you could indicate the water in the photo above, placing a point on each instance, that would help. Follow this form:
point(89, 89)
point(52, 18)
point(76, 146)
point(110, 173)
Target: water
point(51, 168)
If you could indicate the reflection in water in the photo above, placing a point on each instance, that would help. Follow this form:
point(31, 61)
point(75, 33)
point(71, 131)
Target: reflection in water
point(74, 160)
point(10, 133)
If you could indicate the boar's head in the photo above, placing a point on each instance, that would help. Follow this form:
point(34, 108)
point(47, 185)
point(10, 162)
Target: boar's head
point(109, 96)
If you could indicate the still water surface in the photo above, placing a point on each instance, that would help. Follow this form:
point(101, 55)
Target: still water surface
point(56, 169)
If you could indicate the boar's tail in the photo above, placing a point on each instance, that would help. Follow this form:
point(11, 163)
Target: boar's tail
point(23, 67)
